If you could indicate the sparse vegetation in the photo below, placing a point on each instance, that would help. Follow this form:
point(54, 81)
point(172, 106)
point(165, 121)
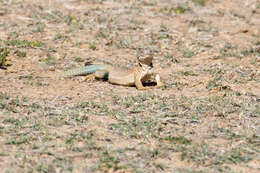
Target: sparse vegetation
point(205, 118)
point(199, 2)
point(3, 57)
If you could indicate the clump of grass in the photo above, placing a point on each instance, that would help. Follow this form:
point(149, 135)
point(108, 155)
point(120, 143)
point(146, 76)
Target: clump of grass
point(188, 53)
point(60, 37)
point(187, 73)
point(20, 53)
point(92, 46)
point(71, 20)
point(18, 141)
point(229, 50)
point(49, 60)
point(171, 10)
point(24, 43)
point(78, 59)
point(199, 2)
point(179, 140)
point(3, 57)
point(180, 10)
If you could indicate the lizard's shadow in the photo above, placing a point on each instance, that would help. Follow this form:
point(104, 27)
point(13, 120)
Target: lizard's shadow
point(149, 83)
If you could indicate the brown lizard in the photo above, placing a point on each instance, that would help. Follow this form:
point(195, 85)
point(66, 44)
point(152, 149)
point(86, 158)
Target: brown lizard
point(121, 76)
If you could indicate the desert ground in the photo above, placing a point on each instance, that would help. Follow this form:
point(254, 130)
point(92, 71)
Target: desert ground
point(205, 119)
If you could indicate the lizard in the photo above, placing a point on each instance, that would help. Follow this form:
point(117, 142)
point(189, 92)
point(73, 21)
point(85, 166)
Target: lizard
point(121, 76)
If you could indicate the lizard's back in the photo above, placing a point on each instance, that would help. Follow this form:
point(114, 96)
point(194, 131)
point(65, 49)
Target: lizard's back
point(121, 76)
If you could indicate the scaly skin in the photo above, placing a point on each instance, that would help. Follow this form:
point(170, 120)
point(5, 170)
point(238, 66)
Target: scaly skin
point(120, 76)
point(82, 70)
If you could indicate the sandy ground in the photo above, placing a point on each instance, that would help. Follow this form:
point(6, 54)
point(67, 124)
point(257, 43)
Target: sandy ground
point(204, 119)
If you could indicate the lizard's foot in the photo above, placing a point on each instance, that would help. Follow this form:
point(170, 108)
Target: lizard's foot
point(143, 88)
point(90, 77)
point(159, 85)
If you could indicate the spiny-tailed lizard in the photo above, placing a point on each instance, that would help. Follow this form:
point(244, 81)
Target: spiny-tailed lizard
point(121, 76)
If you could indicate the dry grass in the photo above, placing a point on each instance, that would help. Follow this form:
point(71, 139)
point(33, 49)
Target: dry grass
point(205, 119)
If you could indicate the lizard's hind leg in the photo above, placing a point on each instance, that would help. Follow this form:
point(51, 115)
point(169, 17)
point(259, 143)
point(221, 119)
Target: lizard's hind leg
point(90, 77)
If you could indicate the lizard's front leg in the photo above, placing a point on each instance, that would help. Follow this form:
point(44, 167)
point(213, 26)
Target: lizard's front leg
point(159, 83)
point(90, 77)
point(138, 83)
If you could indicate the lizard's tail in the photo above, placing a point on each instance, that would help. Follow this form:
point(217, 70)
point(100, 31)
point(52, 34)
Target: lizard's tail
point(81, 71)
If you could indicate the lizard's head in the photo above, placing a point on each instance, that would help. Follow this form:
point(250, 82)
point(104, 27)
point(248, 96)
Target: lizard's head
point(145, 58)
